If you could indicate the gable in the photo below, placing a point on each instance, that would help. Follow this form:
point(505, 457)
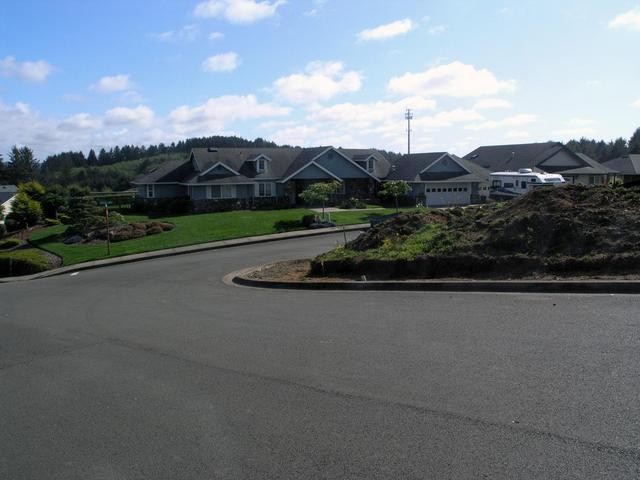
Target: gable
point(312, 172)
point(219, 171)
point(561, 160)
point(340, 166)
point(446, 165)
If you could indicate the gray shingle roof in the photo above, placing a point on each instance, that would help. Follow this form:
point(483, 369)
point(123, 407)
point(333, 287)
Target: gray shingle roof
point(512, 157)
point(627, 165)
point(408, 168)
point(172, 171)
point(592, 168)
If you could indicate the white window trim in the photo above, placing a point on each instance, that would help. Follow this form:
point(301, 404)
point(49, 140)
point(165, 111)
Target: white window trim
point(264, 165)
point(153, 191)
point(272, 188)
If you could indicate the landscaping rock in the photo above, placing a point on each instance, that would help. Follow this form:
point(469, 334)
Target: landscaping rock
point(73, 240)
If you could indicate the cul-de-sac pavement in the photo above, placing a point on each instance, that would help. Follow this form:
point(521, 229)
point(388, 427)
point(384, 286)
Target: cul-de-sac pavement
point(159, 369)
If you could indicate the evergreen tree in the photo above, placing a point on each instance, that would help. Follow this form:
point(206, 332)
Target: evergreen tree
point(22, 165)
point(3, 171)
point(634, 142)
point(92, 160)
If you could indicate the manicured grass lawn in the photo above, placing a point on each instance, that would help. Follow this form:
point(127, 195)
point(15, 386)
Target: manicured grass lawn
point(191, 230)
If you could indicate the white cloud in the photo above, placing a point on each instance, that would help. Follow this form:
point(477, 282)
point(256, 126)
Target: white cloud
point(80, 121)
point(577, 127)
point(187, 34)
point(320, 82)
point(490, 103)
point(215, 36)
point(34, 72)
point(215, 113)
point(513, 121)
point(224, 62)
point(636, 104)
point(318, 6)
point(437, 29)
point(141, 115)
point(629, 20)
point(386, 31)
point(113, 84)
point(517, 135)
point(238, 11)
point(454, 80)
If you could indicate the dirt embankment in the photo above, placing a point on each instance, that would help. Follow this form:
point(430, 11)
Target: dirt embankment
point(564, 231)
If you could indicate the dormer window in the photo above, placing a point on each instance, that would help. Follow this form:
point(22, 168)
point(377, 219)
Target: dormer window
point(370, 165)
point(260, 166)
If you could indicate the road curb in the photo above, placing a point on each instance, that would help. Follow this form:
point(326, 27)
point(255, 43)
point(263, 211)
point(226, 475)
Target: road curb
point(203, 247)
point(495, 286)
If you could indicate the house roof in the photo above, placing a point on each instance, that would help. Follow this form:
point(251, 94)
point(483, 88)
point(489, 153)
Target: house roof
point(512, 157)
point(592, 167)
point(172, 171)
point(411, 169)
point(8, 189)
point(282, 161)
point(532, 155)
point(626, 165)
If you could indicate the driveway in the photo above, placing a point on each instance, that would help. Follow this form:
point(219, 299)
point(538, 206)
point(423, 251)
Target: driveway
point(159, 370)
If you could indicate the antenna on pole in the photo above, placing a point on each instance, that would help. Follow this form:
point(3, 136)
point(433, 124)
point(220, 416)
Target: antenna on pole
point(408, 116)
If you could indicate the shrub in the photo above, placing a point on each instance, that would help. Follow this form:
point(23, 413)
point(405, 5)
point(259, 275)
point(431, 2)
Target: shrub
point(50, 222)
point(25, 211)
point(22, 262)
point(353, 203)
point(3, 230)
point(9, 243)
point(308, 220)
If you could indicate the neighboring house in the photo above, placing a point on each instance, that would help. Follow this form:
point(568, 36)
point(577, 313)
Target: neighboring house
point(549, 157)
point(627, 167)
point(264, 174)
point(441, 179)
point(7, 196)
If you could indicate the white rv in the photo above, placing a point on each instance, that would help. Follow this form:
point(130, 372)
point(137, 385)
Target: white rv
point(514, 184)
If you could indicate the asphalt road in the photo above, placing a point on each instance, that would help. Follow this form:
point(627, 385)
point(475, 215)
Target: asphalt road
point(158, 370)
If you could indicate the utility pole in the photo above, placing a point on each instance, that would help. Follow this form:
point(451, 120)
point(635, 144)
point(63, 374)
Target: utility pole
point(408, 116)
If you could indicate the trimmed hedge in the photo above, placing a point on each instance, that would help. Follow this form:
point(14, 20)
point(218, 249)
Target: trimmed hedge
point(22, 262)
point(9, 243)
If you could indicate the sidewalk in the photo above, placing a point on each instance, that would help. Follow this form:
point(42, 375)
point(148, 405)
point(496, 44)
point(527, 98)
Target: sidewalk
point(201, 247)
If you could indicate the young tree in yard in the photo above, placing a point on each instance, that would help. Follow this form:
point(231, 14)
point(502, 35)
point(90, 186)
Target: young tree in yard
point(395, 189)
point(25, 211)
point(320, 193)
point(34, 190)
point(634, 142)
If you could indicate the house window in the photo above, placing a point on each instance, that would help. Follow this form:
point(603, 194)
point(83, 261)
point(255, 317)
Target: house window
point(592, 179)
point(260, 165)
point(465, 189)
point(228, 191)
point(265, 190)
point(151, 191)
point(214, 191)
point(370, 165)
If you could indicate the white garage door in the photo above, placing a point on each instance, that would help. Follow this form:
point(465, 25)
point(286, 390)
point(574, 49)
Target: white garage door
point(439, 195)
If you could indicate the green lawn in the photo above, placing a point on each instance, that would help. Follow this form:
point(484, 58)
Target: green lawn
point(191, 230)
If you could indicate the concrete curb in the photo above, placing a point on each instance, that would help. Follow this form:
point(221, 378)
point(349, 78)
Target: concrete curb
point(202, 247)
point(496, 286)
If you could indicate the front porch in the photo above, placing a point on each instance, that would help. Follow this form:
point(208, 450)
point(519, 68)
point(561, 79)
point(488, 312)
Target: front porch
point(360, 188)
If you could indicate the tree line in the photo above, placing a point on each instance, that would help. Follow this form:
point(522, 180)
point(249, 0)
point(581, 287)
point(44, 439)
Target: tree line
point(604, 151)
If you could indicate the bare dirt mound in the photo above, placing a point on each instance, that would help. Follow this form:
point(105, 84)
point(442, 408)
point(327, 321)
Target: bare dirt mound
point(561, 231)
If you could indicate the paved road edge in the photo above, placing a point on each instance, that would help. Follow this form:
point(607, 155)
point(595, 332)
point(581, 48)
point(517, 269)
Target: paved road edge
point(202, 247)
point(497, 286)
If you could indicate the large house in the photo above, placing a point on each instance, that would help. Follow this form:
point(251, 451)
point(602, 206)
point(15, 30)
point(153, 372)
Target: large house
point(442, 179)
point(628, 168)
point(549, 157)
point(251, 175)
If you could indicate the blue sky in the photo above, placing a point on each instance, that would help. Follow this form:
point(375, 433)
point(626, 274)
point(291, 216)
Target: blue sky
point(82, 74)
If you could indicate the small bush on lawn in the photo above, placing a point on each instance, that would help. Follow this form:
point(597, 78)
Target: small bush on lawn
point(50, 222)
point(353, 203)
point(22, 262)
point(308, 220)
point(9, 243)
point(288, 225)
